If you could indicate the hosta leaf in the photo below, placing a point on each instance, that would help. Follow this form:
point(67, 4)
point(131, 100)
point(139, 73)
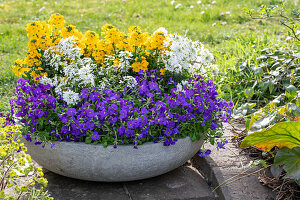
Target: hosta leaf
point(284, 134)
point(290, 159)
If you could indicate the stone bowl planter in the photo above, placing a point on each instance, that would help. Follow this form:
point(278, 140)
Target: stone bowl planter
point(124, 163)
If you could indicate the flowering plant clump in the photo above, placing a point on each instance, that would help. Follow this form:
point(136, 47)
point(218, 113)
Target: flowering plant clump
point(14, 162)
point(122, 89)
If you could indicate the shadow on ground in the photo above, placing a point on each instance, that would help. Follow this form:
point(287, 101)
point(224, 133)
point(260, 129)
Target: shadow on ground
point(184, 182)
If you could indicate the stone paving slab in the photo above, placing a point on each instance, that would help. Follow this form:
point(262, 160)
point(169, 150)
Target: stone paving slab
point(63, 188)
point(226, 163)
point(183, 183)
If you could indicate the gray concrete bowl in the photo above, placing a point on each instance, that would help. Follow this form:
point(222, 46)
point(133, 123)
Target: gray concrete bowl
point(124, 163)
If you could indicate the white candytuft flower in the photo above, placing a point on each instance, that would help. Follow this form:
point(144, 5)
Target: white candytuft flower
point(70, 97)
point(74, 72)
point(185, 55)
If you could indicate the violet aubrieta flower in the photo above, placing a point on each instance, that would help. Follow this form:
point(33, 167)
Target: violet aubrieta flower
point(221, 145)
point(153, 111)
point(95, 136)
point(71, 112)
point(28, 137)
point(206, 153)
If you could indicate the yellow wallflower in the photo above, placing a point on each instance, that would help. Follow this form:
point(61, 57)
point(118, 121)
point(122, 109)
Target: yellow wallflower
point(114, 36)
point(140, 64)
point(99, 51)
point(105, 28)
point(57, 20)
point(162, 71)
point(18, 68)
point(116, 62)
point(70, 30)
point(89, 39)
point(156, 41)
point(134, 29)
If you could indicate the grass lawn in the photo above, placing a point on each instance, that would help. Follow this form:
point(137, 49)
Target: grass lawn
point(222, 25)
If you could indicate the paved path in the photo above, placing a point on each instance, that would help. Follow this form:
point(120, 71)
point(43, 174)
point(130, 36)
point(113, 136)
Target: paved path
point(181, 184)
point(222, 165)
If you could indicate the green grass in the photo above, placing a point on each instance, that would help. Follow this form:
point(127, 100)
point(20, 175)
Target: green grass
point(230, 43)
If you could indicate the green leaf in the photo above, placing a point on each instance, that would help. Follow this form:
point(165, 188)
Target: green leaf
point(284, 134)
point(88, 140)
point(290, 159)
point(249, 92)
point(105, 144)
point(276, 170)
point(263, 122)
point(293, 109)
point(291, 91)
point(265, 85)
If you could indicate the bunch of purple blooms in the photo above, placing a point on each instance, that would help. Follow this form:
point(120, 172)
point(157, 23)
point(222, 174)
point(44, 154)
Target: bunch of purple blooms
point(156, 110)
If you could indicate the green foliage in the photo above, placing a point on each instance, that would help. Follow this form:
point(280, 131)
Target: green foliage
point(14, 162)
point(275, 89)
point(284, 134)
point(274, 83)
point(290, 159)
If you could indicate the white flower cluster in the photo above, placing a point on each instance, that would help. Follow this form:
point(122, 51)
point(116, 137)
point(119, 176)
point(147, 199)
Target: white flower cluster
point(130, 81)
point(74, 72)
point(115, 67)
point(185, 55)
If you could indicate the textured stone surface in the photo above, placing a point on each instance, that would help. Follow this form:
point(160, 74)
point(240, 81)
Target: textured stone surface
point(183, 183)
point(96, 163)
point(64, 188)
point(226, 163)
point(180, 184)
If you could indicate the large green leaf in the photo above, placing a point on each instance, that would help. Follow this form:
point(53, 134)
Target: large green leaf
point(284, 134)
point(290, 159)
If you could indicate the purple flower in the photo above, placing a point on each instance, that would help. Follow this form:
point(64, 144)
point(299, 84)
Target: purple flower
point(153, 86)
point(168, 132)
point(221, 145)
point(64, 118)
point(52, 145)
point(144, 111)
point(71, 112)
point(121, 130)
point(38, 113)
point(112, 120)
point(206, 153)
point(28, 138)
point(95, 136)
point(38, 143)
point(90, 113)
point(102, 114)
point(123, 115)
point(84, 93)
point(112, 109)
point(90, 125)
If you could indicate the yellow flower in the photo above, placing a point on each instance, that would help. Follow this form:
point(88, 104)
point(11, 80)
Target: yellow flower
point(140, 64)
point(89, 39)
point(106, 27)
point(18, 68)
point(134, 29)
point(114, 36)
point(70, 30)
point(162, 71)
point(156, 41)
point(57, 20)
